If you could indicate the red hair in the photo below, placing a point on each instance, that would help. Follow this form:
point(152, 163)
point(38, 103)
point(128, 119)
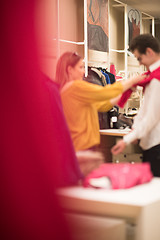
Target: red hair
point(66, 60)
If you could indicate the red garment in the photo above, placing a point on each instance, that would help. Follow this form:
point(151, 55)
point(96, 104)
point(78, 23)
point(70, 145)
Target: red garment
point(143, 83)
point(122, 175)
point(112, 69)
point(30, 155)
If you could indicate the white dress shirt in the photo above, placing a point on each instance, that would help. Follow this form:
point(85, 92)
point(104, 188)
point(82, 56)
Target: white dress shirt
point(146, 125)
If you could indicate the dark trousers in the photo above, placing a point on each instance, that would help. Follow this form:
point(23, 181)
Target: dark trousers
point(152, 156)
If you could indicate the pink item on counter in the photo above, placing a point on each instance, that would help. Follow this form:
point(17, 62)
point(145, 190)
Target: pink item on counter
point(121, 175)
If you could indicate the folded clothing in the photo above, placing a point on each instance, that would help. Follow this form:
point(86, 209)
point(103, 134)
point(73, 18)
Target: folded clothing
point(121, 175)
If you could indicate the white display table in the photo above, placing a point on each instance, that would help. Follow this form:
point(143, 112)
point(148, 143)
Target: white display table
point(114, 132)
point(109, 137)
point(139, 205)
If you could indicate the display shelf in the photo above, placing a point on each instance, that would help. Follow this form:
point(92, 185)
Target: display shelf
point(114, 132)
point(119, 54)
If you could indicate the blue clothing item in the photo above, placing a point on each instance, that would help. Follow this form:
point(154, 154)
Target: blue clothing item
point(107, 77)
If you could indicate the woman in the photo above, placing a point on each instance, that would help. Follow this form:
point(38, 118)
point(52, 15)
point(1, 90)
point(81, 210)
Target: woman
point(82, 100)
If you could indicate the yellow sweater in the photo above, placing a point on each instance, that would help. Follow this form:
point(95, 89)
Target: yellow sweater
point(81, 102)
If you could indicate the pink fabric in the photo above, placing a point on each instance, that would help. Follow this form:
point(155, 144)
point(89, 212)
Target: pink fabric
point(112, 69)
point(30, 157)
point(143, 83)
point(122, 175)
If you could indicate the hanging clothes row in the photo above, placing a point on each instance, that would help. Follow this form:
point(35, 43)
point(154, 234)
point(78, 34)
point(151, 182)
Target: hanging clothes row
point(99, 76)
point(102, 77)
point(112, 118)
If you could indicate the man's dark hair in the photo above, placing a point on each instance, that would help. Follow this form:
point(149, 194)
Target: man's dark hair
point(144, 41)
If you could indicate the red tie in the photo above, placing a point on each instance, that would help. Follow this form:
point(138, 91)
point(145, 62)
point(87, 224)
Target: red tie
point(143, 83)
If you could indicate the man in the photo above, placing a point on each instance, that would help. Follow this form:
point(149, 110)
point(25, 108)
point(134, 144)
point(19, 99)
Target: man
point(146, 127)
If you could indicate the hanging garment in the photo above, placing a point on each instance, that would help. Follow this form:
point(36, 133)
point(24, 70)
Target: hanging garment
point(96, 76)
point(101, 76)
point(112, 69)
point(111, 76)
point(107, 77)
point(113, 113)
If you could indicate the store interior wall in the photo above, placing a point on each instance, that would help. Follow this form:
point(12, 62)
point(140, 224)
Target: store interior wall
point(68, 23)
point(116, 37)
point(46, 28)
point(71, 27)
point(157, 28)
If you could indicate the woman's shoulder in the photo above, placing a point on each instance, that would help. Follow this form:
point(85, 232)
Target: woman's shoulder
point(67, 86)
point(74, 84)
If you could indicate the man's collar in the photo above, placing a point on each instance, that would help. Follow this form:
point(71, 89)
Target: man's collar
point(154, 66)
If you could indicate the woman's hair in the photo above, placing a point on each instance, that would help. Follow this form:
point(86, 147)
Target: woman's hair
point(66, 60)
point(144, 41)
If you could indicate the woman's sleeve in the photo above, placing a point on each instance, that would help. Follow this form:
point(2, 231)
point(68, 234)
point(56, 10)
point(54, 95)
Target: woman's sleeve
point(103, 106)
point(91, 93)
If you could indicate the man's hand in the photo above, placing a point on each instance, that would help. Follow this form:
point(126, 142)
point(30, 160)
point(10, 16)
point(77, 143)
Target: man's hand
point(118, 148)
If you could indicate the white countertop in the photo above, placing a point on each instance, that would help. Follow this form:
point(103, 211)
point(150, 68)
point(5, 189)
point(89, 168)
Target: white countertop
point(139, 195)
point(114, 132)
